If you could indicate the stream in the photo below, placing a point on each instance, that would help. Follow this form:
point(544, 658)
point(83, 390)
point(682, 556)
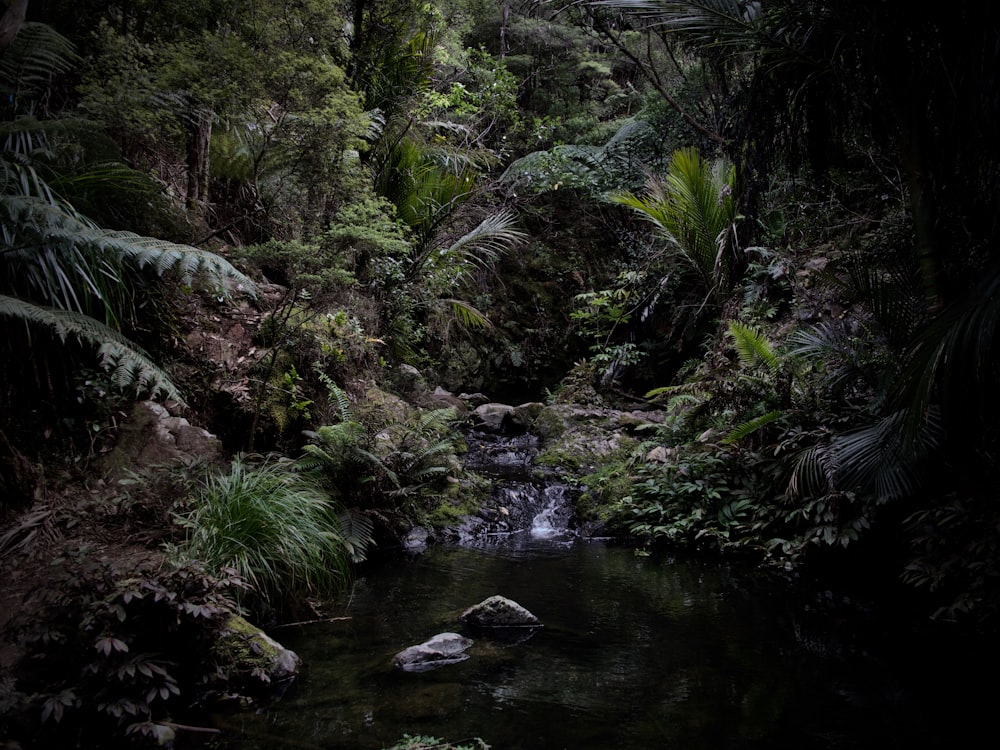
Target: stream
point(634, 653)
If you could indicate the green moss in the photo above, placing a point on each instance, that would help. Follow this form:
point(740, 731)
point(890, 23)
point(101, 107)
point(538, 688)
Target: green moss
point(463, 498)
point(241, 646)
point(250, 657)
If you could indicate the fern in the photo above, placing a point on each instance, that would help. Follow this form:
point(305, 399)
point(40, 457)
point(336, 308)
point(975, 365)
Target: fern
point(753, 347)
point(37, 53)
point(581, 166)
point(335, 392)
point(129, 365)
point(356, 534)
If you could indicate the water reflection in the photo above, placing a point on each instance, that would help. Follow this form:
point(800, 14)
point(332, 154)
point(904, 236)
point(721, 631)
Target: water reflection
point(633, 654)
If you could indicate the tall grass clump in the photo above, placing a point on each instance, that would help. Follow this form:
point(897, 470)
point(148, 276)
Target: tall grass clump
point(278, 529)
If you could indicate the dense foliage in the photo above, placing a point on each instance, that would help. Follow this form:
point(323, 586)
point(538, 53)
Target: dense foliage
point(774, 221)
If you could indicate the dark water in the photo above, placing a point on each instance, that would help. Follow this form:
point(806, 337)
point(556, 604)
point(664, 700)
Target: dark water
point(634, 653)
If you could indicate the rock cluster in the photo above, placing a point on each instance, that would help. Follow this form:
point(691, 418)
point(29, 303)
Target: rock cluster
point(496, 614)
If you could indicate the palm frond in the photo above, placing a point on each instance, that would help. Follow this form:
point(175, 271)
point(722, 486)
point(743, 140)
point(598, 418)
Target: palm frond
point(840, 357)
point(751, 426)
point(467, 315)
point(875, 459)
point(753, 347)
point(954, 360)
point(491, 238)
point(693, 208)
point(733, 24)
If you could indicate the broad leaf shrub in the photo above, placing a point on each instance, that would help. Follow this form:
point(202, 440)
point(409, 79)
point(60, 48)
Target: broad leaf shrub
point(701, 497)
point(115, 657)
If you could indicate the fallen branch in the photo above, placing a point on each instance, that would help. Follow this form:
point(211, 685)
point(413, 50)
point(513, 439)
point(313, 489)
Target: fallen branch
point(311, 622)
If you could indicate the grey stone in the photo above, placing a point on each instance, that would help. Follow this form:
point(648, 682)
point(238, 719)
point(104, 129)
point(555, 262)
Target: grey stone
point(442, 649)
point(499, 612)
point(416, 540)
point(492, 416)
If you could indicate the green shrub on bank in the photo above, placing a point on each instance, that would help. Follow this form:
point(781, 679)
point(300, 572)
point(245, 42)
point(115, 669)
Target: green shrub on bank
point(115, 655)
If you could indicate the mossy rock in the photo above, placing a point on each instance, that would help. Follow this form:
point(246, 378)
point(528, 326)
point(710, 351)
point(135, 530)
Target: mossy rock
point(549, 423)
point(252, 656)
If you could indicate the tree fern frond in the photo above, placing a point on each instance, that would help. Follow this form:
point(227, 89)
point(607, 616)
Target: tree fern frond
point(130, 366)
point(31, 225)
point(37, 53)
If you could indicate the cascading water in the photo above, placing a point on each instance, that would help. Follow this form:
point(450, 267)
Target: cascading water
point(525, 504)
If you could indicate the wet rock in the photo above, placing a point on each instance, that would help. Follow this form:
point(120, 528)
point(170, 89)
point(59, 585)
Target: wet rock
point(499, 612)
point(442, 649)
point(408, 379)
point(416, 539)
point(524, 416)
point(474, 399)
point(492, 416)
point(441, 399)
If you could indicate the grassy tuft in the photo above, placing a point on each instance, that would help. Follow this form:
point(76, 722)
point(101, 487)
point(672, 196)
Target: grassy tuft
point(278, 529)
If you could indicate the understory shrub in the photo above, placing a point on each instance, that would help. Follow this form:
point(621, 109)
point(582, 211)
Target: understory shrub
point(700, 497)
point(113, 656)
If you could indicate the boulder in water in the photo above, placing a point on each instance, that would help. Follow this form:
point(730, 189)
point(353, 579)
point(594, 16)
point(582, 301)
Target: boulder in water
point(442, 649)
point(493, 417)
point(499, 612)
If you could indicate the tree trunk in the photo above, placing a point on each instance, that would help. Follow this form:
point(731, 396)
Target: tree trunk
point(199, 137)
point(11, 22)
point(18, 477)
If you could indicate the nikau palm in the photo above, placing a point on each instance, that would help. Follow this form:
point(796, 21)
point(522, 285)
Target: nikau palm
point(694, 210)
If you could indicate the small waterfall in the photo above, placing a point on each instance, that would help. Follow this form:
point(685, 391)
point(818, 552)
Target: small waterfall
point(553, 520)
point(525, 505)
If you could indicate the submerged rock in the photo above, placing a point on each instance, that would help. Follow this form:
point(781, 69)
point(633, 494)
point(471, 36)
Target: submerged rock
point(499, 612)
point(442, 649)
